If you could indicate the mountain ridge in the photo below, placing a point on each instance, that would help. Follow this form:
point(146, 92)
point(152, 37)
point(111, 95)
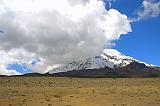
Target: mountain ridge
point(108, 58)
point(133, 70)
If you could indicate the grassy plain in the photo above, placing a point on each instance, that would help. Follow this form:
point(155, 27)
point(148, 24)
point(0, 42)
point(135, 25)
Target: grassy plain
point(51, 91)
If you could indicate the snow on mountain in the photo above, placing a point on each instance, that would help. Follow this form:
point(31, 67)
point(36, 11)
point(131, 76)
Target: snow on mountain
point(116, 58)
point(108, 58)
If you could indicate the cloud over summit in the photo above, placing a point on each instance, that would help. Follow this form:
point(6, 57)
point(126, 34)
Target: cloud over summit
point(57, 31)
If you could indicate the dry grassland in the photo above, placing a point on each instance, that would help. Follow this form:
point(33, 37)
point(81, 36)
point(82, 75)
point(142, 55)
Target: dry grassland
point(50, 91)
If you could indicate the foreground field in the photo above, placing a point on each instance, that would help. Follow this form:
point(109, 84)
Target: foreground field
point(50, 91)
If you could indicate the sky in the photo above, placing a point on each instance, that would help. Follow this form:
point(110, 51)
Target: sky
point(144, 40)
point(38, 35)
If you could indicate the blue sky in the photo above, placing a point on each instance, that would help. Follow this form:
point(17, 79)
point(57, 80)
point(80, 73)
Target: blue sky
point(143, 43)
point(21, 68)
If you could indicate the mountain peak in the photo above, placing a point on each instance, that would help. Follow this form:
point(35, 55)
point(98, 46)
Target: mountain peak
point(111, 51)
point(116, 58)
point(115, 53)
point(108, 58)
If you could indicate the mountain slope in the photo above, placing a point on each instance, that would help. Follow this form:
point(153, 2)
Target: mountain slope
point(108, 58)
point(132, 70)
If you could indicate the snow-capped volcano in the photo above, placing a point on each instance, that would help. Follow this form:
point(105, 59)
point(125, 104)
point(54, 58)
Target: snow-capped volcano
point(116, 58)
point(108, 58)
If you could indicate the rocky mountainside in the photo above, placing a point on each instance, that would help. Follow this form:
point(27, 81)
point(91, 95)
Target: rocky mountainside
point(133, 70)
point(108, 58)
point(110, 63)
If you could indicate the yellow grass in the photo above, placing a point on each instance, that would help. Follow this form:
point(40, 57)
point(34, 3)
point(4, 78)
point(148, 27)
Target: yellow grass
point(50, 91)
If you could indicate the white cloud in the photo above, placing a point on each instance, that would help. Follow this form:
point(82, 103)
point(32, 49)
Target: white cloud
point(110, 2)
point(4, 71)
point(151, 9)
point(57, 31)
point(5, 59)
